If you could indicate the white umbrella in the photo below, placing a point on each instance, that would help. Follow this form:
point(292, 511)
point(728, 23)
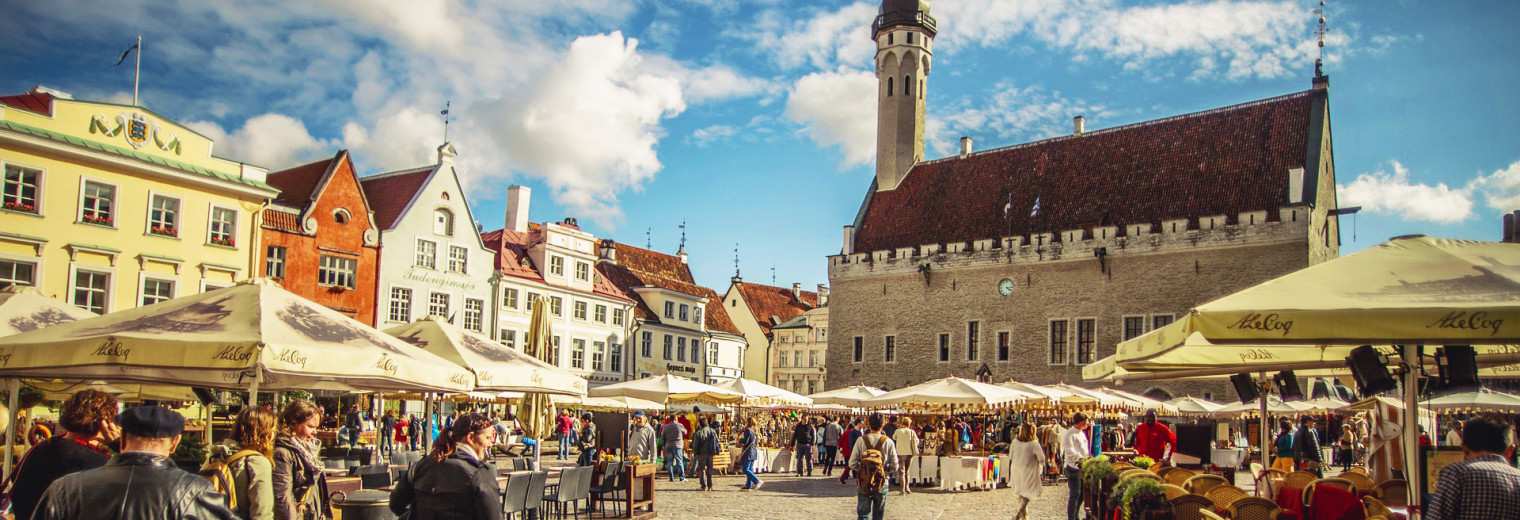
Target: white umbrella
point(1274, 406)
point(1055, 396)
point(1149, 404)
point(25, 309)
point(1103, 400)
point(496, 367)
point(129, 392)
point(667, 388)
point(1190, 405)
point(761, 394)
point(253, 334)
point(949, 393)
point(610, 404)
point(1324, 404)
point(847, 396)
point(1484, 400)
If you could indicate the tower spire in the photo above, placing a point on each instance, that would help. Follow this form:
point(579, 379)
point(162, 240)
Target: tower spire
point(736, 260)
point(1319, 61)
point(445, 114)
point(903, 33)
point(682, 248)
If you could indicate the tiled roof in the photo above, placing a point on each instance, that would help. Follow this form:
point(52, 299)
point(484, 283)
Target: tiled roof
point(389, 193)
point(281, 221)
point(1220, 162)
point(800, 322)
point(513, 260)
point(39, 102)
point(637, 267)
point(765, 302)
point(716, 318)
point(134, 154)
point(296, 184)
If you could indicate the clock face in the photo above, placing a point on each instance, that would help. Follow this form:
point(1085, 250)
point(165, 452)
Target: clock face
point(1005, 287)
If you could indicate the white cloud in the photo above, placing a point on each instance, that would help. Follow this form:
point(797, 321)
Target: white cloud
point(1011, 114)
point(1501, 189)
point(274, 141)
point(1387, 193)
point(826, 41)
point(838, 109)
point(703, 136)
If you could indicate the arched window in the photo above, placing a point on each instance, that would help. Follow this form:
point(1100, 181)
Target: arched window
point(889, 87)
point(443, 222)
point(908, 84)
point(340, 216)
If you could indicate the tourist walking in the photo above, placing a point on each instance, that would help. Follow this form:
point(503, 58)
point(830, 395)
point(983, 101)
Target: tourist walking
point(399, 430)
point(353, 424)
point(673, 435)
point(1026, 462)
point(590, 442)
point(873, 457)
point(802, 446)
point(847, 446)
point(704, 445)
point(140, 482)
point(831, 435)
point(88, 420)
point(1306, 449)
point(1484, 486)
point(748, 452)
point(453, 482)
point(906, 440)
point(641, 439)
point(565, 427)
point(246, 455)
point(300, 487)
point(383, 433)
point(1343, 445)
point(1284, 447)
point(413, 432)
point(1074, 449)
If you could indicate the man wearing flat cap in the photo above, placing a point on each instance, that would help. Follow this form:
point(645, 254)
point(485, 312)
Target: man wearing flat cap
point(140, 482)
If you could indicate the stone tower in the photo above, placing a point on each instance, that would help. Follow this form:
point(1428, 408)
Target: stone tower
point(904, 32)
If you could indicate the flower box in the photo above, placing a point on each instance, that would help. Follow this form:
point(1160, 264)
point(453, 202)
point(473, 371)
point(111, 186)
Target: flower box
point(229, 242)
point(24, 208)
point(165, 231)
point(104, 221)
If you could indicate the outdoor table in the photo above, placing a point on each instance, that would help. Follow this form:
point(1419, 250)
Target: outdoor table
point(640, 480)
point(782, 461)
point(344, 484)
point(1228, 458)
point(923, 469)
point(961, 473)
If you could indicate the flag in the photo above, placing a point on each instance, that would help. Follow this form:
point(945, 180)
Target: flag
point(124, 54)
point(1036, 209)
point(1008, 208)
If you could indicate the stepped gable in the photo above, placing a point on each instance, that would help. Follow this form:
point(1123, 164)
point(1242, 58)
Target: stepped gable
point(1219, 162)
point(766, 301)
point(390, 193)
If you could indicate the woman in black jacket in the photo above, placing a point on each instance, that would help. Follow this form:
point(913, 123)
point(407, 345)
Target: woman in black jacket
point(453, 482)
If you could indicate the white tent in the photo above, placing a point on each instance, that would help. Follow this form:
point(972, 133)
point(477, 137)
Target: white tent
point(1052, 395)
point(1190, 405)
point(25, 309)
point(949, 393)
point(1274, 406)
point(1483, 400)
point(606, 404)
point(667, 388)
point(760, 394)
point(850, 396)
point(496, 367)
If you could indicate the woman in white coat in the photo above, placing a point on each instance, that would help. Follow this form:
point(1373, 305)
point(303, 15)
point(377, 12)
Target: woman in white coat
point(1026, 461)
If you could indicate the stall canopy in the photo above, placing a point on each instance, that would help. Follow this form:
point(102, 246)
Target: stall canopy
point(1053, 396)
point(228, 338)
point(1148, 403)
point(1102, 400)
point(951, 393)
point(1480, 401)
point(1190, 405)
point(25, 309)
point(606, 404)
point(850, 396)
point(496, 367)
point(668, 388)
point(1275, 406)
point(127, 392)
point(760, 394)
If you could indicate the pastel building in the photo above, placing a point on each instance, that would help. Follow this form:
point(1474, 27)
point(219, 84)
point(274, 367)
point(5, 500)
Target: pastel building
point(110, 206)
point(801, 347)
point(433, 262)
point(592, 318)
point(680, 327)
point(319, 238)
point(756, 309)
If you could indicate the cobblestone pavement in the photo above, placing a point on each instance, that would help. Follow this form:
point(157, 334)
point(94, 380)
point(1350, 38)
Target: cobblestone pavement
point(787, 497)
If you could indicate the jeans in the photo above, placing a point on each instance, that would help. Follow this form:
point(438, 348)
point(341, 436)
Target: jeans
point(675, 462)
point(870, 506)
point(351, 434)
point(386, 445)
point(828, 459)
point(564, 446)
point(1074, 492)
point(749, 475)
point(804, 456)
point(902, 472)
point(704, 470)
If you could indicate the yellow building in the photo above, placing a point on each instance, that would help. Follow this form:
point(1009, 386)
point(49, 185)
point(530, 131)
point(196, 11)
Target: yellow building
point(111, 207)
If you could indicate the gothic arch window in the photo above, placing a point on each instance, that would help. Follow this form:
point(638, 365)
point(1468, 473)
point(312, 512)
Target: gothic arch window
point(443, 222)
point(908, 85)
point(889, 87)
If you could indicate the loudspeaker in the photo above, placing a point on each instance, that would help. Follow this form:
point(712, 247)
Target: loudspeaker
point(206, 395)
point(1287, 386)
point(1245, 387)
point(1458, 365)
point(1370, 373)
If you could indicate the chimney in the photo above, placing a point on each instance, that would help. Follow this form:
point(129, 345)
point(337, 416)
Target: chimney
point(797, 290)
point(682, 255)
point(1509, 228)
point(849, 241)
point(1079, 125)
point(823, 295)
point(965, 146)
point(446, 153)
point(1296, 186)
point(517, 208)
point(608, 252)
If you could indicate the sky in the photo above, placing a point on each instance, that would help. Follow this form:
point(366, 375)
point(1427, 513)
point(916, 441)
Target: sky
point(753, 122)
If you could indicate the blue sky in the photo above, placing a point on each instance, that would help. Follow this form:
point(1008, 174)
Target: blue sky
point(753, 121)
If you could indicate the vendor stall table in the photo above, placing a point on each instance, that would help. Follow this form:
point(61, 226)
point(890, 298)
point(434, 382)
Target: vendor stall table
point(923, 470)
point(1228, 458)
point(965, 473)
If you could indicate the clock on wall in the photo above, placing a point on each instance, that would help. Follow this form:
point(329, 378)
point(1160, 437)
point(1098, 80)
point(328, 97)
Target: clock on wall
point(1005, 287)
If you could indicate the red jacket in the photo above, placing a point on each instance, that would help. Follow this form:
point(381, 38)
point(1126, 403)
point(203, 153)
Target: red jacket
point(1151, 440)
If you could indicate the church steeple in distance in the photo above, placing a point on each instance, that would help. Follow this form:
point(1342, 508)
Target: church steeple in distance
point(904, 34)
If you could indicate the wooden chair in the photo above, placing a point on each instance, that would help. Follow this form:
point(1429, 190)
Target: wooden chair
point(1394, 493)
point(1375, 507)
point(1173, 491)
point(1200, 484)
point(1164, 471)
point(1178, 476)
point(1362, 482)
point(1253, 508)
point(1190, 507)
point(1223, 495)
point(1299, 479)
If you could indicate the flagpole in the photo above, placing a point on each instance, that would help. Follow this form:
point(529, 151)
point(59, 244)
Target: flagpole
point(138, 72)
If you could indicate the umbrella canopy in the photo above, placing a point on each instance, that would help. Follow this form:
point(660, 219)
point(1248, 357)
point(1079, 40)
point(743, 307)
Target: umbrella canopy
point(496, 367)
point(1101, 399)
point(1274, 406)
point(221, 338)
point(1190, 405)
point(1054, 396)
point(666, 388)
point(129, 392)
point(1484, 400)
point(1149, 404)
point(25, 309)
point(606, 404)
point(1161, 350)
point(536, 411)
point(760, 394)
point(950, 392)
point(849, 396)
point(704, 408)
point(1324, 404)
point(1368, 404)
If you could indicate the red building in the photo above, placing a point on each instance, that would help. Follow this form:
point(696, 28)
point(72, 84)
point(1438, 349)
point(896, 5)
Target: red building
point(320, 239)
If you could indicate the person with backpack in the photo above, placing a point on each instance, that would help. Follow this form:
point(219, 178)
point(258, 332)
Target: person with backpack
point(589, 441)
point(383, 434)
point(872, 458)
point(704, 446)
point(240, 466)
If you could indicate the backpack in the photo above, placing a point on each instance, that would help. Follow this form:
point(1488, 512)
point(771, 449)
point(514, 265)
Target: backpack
point(219, 472)
point(872, 474)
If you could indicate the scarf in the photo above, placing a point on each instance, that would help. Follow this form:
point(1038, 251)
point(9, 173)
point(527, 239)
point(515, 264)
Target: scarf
point(306, 457)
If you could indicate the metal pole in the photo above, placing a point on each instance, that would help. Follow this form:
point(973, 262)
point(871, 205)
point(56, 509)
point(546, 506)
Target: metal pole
point(1411, 437)
point(253, 387)
point(1261, 433)
point(138, 72)
point(14, 387)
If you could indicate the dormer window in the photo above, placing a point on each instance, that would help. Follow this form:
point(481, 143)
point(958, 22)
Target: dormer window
point(443, 222)
point(340, 216)
point(582, 271)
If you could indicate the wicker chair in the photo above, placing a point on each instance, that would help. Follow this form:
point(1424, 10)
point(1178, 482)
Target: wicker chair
point(1165, 470)
point(1253, 508)
point(1140, 473)
point(1130, 471)
point(1362, 470)
point(1361, 481)
point(1333, 482)
point(1223, 495)
point(1190, 507)
point(1393, 492)
point(1375, 507)
point(1200, 484)
point(1210, 515)
point(1173, 491)
point(1299, 479)
point(1264, 486)
point(1178, 476)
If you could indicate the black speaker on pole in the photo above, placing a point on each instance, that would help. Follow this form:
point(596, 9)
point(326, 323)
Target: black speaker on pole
point(1287, 386)
point(207, 396)
point(1245, 387)
point(1459, 366)
point(1369, 371)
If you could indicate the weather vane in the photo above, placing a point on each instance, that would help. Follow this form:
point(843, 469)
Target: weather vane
point(1319, 62)
point(736, 259)
point(445, 114)
point(682, 248)
point(648, 241)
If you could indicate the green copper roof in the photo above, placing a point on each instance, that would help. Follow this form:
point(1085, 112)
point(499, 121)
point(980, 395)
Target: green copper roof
point(127, 152)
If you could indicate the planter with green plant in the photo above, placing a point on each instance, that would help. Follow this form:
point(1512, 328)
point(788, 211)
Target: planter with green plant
point(1143, 497)
point(191, 453)
point(1143, 462)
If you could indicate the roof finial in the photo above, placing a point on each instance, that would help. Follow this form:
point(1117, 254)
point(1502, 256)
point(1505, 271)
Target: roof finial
point(773, 274)
point(1319, 62)
point(648, 242)
point(445, 114)
point(682, 248)
point(736, 259)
